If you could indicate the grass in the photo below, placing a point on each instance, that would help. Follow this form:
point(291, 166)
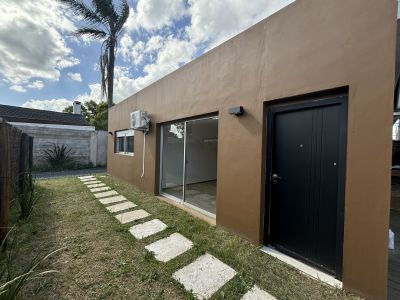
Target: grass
point(102, 260)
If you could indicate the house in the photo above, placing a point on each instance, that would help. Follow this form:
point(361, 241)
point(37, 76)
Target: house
point(49, 127)
point(282, 135)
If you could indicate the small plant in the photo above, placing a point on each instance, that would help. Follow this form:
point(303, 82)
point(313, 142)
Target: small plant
point(27, 197)
point(58, 156)
point(13, 285)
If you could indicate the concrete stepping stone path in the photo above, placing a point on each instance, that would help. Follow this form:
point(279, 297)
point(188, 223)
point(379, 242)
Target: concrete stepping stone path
point(96, 185)
point(91, 182)
point(89, 179)
point(111, 200)
point(100, 189)
point(120, 207)
point(105, 194)
point(131, 216)
point(170, 247)
point(146, 229)
point(85, 177)
point(257, 294)
point(204, 276)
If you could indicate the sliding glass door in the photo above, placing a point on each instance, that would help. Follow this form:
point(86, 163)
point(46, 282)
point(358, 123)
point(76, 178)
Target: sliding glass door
point(189, 162)
point(172, 168)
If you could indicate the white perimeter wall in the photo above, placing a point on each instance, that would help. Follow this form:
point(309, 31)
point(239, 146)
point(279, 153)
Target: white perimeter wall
point(87, 144)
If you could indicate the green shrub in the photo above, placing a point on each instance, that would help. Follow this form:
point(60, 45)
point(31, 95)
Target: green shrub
point(27, 197)
point(58, 156)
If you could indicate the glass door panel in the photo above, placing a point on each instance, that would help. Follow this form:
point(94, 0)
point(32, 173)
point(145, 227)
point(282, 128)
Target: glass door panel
point(201, 163)
point(172, 168)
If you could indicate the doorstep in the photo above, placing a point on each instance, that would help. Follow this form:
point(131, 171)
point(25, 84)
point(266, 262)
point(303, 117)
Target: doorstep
point(306, 269)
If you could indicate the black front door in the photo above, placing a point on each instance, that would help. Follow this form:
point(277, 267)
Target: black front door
point(305, 181)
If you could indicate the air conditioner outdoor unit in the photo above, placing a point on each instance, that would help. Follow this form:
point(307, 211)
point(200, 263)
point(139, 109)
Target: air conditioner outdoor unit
point(140, 120)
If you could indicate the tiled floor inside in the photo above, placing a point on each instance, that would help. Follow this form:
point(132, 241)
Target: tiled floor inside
point(201, 194)
point(203, 277)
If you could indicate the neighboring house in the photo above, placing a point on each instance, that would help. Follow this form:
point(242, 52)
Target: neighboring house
point(49, 127)
point(305, 169)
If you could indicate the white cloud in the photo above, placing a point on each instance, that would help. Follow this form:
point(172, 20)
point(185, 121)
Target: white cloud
point(215, 21)
point(129, 51)
point(38, 85)
point(18, 88)
point(94, 94)
point(53, 104)
point(173, 53)
point(61, 103)
point(75, 76)
point(154, 43)
point(32, 41)
point(155, 14)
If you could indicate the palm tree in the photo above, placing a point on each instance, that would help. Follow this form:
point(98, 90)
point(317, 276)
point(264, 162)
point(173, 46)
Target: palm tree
point(104, 22)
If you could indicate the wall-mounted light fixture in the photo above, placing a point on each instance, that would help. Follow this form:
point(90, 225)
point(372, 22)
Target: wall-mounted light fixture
point(110, 133)
point(237, 110)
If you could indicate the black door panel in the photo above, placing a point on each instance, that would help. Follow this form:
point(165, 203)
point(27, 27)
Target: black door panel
point(304, 213)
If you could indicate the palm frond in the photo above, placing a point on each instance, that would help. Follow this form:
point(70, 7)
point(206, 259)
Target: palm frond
point(92, 32)
point(105, 9)
point(123, 15)
point(80, 9)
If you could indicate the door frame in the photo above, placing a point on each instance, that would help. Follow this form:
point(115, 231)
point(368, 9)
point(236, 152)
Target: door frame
point(303, 103)
point(160, 190)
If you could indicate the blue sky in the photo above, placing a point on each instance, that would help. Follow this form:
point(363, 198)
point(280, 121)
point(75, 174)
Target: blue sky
point(44, 66)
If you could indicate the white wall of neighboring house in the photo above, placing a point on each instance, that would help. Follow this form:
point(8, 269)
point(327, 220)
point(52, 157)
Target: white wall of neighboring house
point(87, 144)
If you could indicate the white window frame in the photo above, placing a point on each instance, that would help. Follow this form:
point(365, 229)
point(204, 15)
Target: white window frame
point(124, 133)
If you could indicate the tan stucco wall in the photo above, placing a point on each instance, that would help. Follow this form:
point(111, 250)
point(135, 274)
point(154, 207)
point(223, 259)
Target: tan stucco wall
point(310, 46)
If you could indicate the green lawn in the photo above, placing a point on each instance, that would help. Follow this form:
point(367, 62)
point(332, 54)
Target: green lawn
point(101, 260)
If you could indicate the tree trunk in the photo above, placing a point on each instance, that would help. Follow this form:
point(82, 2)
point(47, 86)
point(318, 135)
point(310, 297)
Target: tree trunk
point(110, 74)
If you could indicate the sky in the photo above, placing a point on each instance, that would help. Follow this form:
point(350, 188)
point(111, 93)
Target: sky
point(43, 65)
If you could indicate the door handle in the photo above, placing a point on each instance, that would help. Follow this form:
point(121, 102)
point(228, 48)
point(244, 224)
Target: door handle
point(276, 178)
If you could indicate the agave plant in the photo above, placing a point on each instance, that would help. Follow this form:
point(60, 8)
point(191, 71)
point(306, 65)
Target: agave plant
point(58, 155)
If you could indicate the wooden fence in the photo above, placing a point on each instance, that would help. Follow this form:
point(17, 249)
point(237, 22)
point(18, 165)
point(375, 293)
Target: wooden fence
point(15, 160)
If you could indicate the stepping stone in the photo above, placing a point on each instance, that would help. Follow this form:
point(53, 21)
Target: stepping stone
point(105, 194)
point(146, 229)
point(120, 206)
point(170, 247)
point(112, 200)
point(257, 294)
point(100, 189)
point(85, 177)
point(91, 182)
point(204, 276)
point(96, 185)
point(87, 180)
point(132, 216)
